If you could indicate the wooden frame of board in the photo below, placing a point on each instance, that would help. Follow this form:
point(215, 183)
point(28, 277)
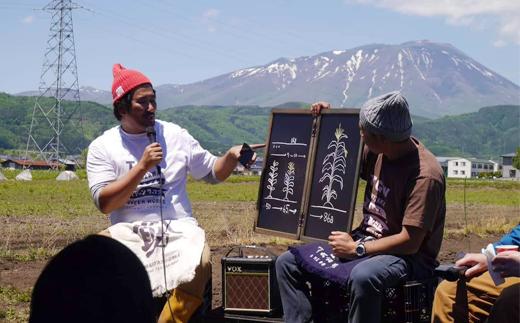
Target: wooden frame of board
point(292, 206)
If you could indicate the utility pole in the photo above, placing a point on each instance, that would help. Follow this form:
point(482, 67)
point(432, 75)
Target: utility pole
point(58, 82)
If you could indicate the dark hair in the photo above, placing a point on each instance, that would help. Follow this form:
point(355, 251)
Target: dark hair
point(126, 100)
point(96, 279)
point(123, 103)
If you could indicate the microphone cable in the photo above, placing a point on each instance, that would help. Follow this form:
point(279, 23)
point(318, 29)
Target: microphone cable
point(150, 133)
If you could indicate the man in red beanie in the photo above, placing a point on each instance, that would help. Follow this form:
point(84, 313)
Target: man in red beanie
point(137, 173)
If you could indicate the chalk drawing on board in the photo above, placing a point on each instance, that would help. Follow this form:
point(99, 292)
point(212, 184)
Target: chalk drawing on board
point(293, 142)
point(333, 167)
point(288, 183)
point(289, 155)
point(285, 209)
point(272, 178)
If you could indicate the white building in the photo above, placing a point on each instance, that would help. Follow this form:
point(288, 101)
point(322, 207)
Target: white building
point(458, 167)
point(455, 167)
point(508, 171)
point(255, 169)
point(482, 166)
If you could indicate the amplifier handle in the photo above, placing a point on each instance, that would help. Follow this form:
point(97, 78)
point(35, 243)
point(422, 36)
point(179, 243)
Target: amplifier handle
point(241, 253)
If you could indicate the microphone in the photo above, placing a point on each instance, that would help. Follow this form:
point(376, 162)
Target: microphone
point(152, 137)
point(150, 133)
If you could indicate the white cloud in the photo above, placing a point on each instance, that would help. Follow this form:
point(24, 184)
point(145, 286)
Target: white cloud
point(499, 43)
point(27, 20)
point(504, 13)
point(209, 17)
point(211, 13)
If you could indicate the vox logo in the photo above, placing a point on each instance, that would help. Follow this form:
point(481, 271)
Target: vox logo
point(234, 269)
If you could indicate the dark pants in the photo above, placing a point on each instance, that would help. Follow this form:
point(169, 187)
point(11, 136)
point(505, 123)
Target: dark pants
point(366, 284)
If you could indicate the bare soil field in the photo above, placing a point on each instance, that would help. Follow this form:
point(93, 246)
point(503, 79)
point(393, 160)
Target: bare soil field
point(28, 242)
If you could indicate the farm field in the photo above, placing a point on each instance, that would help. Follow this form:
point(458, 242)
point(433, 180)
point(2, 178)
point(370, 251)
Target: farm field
point(38, 218)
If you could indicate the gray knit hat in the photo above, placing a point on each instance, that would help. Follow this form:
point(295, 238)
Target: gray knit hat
point(387, 115)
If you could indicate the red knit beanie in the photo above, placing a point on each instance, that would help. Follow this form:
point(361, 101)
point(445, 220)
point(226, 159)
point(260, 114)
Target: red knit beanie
point(125, 81)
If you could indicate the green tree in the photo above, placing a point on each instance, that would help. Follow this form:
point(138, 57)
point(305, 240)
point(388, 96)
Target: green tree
point(516, 159)
point(83, 158)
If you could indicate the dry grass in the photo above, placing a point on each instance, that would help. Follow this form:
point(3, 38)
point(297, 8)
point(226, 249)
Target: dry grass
point(225, 222)
point(34, 238)
point(481, 219)
point(14, 300)
point(38, 219)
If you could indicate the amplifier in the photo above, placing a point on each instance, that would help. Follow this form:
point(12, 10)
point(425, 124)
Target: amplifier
point(249, 281)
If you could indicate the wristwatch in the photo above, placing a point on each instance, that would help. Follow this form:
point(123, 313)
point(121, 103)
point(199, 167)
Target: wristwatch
point(360, 249)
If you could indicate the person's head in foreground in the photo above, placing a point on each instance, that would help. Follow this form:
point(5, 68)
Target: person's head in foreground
point(96, 279)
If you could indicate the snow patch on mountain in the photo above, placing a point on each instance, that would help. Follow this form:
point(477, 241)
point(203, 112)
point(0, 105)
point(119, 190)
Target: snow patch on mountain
point(437, 80)
point(351, 67)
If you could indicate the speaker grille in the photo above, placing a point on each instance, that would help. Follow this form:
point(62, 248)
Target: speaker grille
point(247, 291)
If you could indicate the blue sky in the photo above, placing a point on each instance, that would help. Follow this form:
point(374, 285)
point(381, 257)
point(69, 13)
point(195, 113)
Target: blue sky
point(183, 41)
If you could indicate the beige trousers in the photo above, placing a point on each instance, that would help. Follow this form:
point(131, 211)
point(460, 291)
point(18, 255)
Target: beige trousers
point(471, 301)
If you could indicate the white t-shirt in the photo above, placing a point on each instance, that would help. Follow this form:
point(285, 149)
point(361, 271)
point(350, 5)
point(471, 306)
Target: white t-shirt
point(112, 155)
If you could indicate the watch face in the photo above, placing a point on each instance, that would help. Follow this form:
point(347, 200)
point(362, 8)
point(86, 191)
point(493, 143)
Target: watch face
point(360, 250)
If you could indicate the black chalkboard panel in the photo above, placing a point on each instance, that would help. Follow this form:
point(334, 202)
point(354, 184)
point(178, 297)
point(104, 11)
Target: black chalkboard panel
point(334, 175)
point(283, 178)
point(310, 177)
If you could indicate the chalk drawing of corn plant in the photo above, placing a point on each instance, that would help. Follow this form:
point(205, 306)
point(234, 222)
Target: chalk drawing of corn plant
point(288, 180)
point(272, 178)
point(334, 164)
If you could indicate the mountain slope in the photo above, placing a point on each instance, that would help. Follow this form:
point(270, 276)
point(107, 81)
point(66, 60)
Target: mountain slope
point(16, 114)
point(86, 93)
point(490, 132)
point(436, 78)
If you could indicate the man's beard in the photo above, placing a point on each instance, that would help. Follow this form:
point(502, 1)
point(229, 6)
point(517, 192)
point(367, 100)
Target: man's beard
point(148, 119)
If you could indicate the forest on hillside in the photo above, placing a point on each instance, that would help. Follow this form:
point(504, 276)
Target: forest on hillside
point(488, 133)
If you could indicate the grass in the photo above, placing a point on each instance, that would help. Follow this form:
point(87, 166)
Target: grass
point(40, 217)
point(15, 304)
point(47, 214)
point(484, 196)
point(40, 174)
point(29, 254)
point(44, 196)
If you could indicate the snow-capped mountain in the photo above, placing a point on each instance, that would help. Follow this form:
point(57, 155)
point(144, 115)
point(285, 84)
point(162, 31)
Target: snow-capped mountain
point(436, 78)
point(86, 93)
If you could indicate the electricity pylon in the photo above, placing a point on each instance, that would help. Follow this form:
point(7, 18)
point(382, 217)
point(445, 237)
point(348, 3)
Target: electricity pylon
point(58, 82)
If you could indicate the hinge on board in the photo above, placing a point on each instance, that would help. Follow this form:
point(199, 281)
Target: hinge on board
point(300, 220)
point(314, 122)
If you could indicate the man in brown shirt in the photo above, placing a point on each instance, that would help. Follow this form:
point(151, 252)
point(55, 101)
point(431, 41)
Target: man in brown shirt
point(403, 216)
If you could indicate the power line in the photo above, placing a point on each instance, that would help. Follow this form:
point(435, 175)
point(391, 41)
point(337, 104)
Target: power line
point(249, 29)
point(160, 31)
point(58, 82)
